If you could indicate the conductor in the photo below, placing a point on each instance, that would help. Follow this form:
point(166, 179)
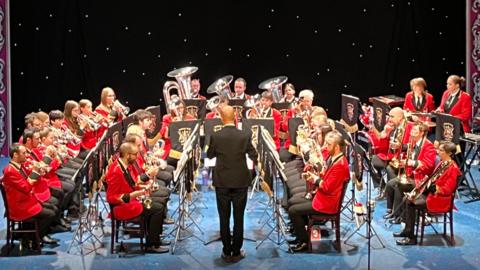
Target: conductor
point(231, 179)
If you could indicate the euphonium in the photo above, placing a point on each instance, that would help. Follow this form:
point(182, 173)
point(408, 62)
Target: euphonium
point(182, 85)
point(395, 162)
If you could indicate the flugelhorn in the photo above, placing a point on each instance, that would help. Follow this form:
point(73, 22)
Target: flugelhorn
point(120, 107)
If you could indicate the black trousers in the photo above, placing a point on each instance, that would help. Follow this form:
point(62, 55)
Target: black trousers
point(410, 212)
point(298, 214)
point(379, 166)
point(154, 222)
point(44, 219)
point(226, 198)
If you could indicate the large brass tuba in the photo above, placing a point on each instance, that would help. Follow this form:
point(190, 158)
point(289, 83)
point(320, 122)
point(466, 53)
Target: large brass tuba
point(274, 85)
point(183, 77)
point(221, 87)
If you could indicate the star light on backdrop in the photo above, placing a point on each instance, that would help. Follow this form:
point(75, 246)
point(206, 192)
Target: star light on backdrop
point(327, 47)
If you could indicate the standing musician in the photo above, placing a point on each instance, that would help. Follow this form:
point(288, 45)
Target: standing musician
point(434, 193)
point(457, 102)
point(123, 196)
point(19, 185)
point(231, 179)
point(107, 110)
point(418, 100)
point(418, 162)
point(240, 86)
point(177, 113)
point(392, 142)
point(195, 84)
point(266, 111)
point(329, 192)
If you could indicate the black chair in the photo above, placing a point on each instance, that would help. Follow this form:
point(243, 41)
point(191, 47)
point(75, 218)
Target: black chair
point(18, 226)
point(134, 226)
point(333, 218)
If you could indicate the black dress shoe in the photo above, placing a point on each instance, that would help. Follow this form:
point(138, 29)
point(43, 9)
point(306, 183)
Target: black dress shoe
point(407, 241)
point(300, 247)
point(58, 229)
point(165, 243)
point(396, 220)
point(48, 240)
point(292, 242)
point(240, 256)
point(399, 234)
point(157, 249)
point(226, 258)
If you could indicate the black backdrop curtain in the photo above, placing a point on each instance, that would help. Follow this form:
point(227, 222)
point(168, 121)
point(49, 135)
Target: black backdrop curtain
point(69, 49)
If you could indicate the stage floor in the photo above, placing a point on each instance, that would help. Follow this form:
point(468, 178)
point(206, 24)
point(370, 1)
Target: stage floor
point(191, 253)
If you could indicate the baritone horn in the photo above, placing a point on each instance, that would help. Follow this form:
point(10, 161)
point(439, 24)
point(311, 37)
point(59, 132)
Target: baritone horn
point(274, 85)
point(183, 86)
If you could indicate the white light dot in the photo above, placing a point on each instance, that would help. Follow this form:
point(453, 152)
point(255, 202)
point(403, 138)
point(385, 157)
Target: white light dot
point(69, 30)
point(158, 55)
point(86, 16)
point(443, 58)
point(61, 64)
point(353, 43)
point(440, 33)
point(339, 30)
point(124, 70)
point(370, 46)
point(398, 48)
point(18, 128)
point(298, 17)
point(248, 55)
point(328, 70)
point(318, 73)
point(433, 9)
point(149, 33)
point(19, 24)
point(361, 55)
point(392, 5)
point(287, 55)
point(408, 3)
point(391, 85)
point(126, 28)
point(206, 54)
point(446, 72)
point(345, 86)
point(189, 62)
point(185, 40)
point(14, 44)
point(461, 63)
point(143, 74)
point(269, 26)
point(84, 56)
point(179, 14)
point(413, 60)
point(46, 77)
point(21, 73)
point(81, 93)
point(272, 10)
point(446, 16)
point(107, 48)
point(416, 31)
point(37, 28)
point(229, 49)
point(50, 15)
point(364, 10)
point(316, 31)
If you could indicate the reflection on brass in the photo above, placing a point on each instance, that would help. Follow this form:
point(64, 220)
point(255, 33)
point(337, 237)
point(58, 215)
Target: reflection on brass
point(183, 134)
point(254, 129)
point(192, 110)
point(238, 111)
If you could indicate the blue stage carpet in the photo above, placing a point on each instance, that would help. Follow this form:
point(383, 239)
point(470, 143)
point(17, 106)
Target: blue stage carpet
point(191, 253)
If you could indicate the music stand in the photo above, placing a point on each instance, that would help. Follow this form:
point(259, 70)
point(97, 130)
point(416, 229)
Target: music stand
point(157, 121)
point(237, 104)
point(179, 132)
point(293, 124)
point(370, 231)
point(196, 107)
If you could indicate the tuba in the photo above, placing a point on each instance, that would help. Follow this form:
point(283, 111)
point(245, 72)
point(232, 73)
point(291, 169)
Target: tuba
point(183, 77)
point(212, 103)
point(274, 85)
point(254, 103)
point(221, 87)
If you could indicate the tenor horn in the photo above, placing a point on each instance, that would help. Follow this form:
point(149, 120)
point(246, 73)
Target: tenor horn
point(274, 85)
point(182, 85)
point(221, 87)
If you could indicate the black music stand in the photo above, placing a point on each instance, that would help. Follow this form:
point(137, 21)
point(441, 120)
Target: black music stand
point(157, 121)
point(196, 107)
point(179, 132)
point(211, 126)
point(282, 107)
point(293, 124)
point(370, 231)
point(237, 104)
point(114, 138)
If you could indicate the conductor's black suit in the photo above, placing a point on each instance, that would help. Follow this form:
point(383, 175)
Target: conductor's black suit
point(231, 179)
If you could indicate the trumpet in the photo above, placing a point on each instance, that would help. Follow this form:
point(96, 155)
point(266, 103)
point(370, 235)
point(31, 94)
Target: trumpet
point(68, 136)
point(90, 122)
point(120, 107)
point(100, 119)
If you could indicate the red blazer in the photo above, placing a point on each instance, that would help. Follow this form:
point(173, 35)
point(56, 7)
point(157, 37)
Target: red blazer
point(22, 204)
point(166, 120)
point(462, 108)
point(118, 186)
point(89, 139)
point(284, 126)
point(441, 200)
point(277, 122)
point(211, 115)
point(41, 189)
point(383, 143)
point(426, 162)
point(102, 129)
point(329, 192)
point(428, 103)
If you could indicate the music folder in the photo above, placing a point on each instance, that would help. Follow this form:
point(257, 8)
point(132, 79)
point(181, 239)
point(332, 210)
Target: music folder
point(196, 107)
point(267, 123)
point(178, 132)
point(449, 128)
point(211, 126)
point(380, 112)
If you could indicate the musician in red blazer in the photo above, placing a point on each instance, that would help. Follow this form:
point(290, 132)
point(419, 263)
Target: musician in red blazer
point(456, 102)
point(418, 100)
point(329, 192)
point(18, 184)
point(420, 163)
point(240, 85)
point(195, 84)
point(122, 196)
point(437, 197)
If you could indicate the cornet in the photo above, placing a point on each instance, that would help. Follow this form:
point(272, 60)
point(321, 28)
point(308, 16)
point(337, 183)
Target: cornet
point(90, 122)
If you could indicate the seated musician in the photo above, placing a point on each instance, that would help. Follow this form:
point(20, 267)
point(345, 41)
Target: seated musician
point(419, 161)
point(240, 85)
point(73, 126)
point(419, 100)
point(177, 113)
point(143, 122)
point(266, 111)
point(124, 197)
point(195, 84)
point(392, 142)
point(44, 119)
point(303, 109)
point(94, 123)
point(289, 95)
point(22, 203)
point(329, 191)
point(32, 120)
point(456, 101)
point(434, 193)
